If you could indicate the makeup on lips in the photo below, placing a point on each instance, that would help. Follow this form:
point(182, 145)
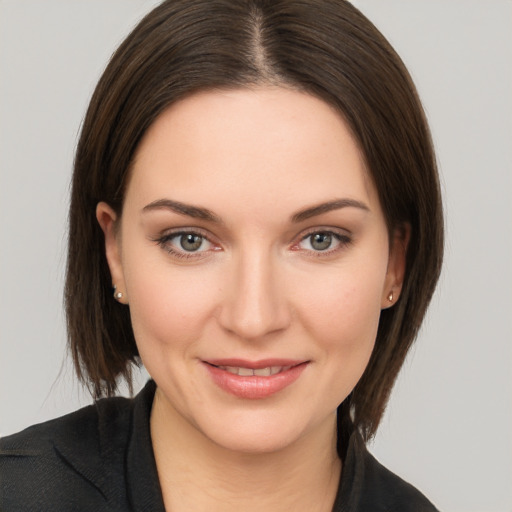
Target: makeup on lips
point(254, 379)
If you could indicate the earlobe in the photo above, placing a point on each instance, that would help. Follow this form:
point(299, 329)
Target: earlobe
point(107, 219)
point(396, 265)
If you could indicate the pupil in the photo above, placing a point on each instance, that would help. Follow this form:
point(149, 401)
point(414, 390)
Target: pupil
point(321, 241)
point(191, 242)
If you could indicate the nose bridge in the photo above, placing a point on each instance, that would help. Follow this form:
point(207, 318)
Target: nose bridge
point(256, 304)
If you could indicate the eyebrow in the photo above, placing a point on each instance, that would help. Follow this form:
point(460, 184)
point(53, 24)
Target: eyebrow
point(205, 214)
point(327, 207)
point(182, 209)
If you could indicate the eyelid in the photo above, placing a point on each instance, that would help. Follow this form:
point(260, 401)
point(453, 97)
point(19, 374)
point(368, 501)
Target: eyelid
point(324, 229)
point(185, 230)
point(165, 236)
point(343, 236)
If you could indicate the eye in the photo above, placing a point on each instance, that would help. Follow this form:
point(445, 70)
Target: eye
point(186, 244)
point(323, 241)
point(190, 242)
point(320, 241)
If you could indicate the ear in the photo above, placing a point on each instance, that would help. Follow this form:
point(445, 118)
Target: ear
point(398, 244)
point(107, 219)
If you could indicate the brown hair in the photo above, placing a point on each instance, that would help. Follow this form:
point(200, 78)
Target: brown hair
point(324, 47)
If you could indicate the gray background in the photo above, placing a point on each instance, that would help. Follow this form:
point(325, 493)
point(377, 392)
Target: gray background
point(448, 426)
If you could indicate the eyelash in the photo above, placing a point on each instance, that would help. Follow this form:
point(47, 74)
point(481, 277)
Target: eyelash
point(164, 242)
point(343, 240)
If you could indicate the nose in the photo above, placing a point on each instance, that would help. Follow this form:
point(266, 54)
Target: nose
point(255, 303)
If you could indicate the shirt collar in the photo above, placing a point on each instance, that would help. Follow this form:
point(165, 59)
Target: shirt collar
point(142, 482)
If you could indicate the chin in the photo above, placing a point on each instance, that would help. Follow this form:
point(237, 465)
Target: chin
point(259, 432)
point(253, 442)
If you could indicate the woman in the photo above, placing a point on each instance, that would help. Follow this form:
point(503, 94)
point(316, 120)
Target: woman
point(256, 217)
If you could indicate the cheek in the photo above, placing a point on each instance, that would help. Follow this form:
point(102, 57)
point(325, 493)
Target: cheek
point(343, 321)
point(343, 313)
point(169, 305)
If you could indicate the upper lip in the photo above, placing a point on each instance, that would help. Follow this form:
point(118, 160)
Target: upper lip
point(254, 365)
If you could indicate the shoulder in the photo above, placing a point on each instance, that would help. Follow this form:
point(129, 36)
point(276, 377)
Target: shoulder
point(65, 462)
point(367, 485)
point(384, 486)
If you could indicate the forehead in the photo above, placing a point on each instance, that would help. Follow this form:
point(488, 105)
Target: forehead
point(266, 144)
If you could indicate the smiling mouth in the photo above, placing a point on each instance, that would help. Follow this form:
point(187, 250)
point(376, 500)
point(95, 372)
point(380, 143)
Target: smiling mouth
point(254, 380)
point(254, 372)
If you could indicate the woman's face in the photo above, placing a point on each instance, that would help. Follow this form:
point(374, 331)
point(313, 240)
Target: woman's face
point(255, 259)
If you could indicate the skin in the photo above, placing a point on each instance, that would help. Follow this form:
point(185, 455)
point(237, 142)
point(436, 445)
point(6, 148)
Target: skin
point(258, 287)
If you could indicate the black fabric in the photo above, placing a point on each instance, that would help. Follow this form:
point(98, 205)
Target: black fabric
point(100, 458)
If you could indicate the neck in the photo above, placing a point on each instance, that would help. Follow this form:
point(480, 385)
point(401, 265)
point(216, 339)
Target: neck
point(197, 474)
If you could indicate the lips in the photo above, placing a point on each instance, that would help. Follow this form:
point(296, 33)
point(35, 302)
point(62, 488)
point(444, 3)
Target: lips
point(258, 372)
point(254, 380)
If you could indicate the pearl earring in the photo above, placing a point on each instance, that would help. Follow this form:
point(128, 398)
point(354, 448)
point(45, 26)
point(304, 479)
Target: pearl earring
point(117, 295)
point(390, 296)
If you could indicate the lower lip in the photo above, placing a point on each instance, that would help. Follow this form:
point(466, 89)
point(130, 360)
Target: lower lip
point(254, 387)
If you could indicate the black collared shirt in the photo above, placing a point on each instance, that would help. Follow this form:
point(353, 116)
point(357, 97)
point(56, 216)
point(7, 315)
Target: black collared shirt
point(100, 458)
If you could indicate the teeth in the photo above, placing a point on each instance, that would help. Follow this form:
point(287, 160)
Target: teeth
point(260, 372)
point(263, 372)
point(230, 369)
